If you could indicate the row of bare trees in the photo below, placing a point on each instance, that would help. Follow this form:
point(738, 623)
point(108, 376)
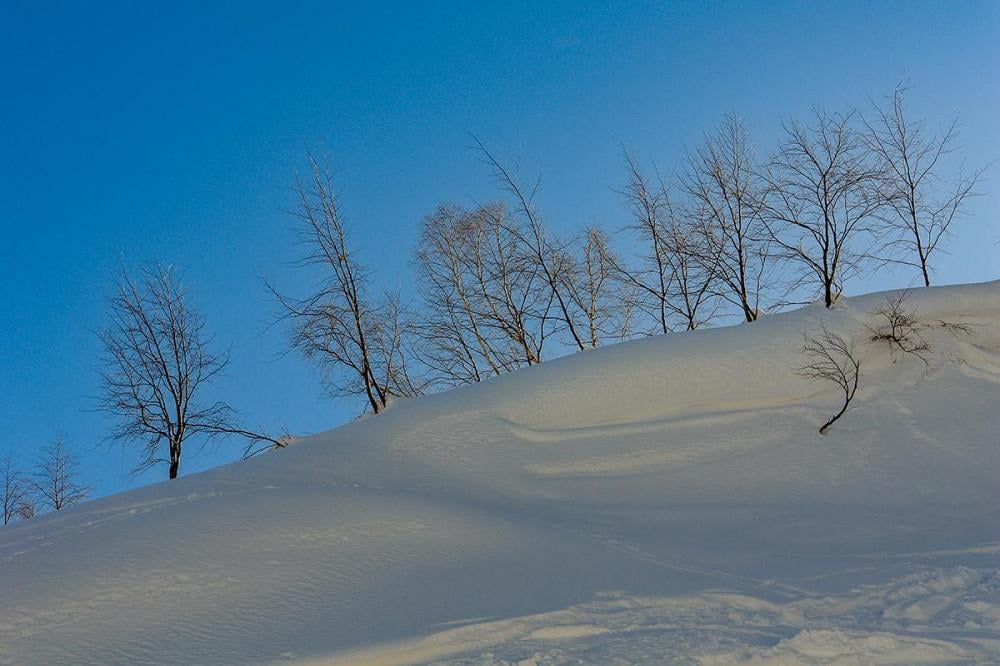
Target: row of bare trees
point(730, 235)
point(51, 483)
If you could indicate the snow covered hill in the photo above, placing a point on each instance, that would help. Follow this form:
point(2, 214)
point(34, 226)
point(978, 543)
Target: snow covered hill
point(667, 500)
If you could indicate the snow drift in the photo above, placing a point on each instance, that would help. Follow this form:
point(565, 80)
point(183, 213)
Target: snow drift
point(664, 500)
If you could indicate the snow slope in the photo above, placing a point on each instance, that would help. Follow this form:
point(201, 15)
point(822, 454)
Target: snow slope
point(667, 500)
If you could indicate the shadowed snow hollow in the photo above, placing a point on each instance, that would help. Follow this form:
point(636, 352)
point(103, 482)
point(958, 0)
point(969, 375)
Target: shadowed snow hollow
point(665, 500)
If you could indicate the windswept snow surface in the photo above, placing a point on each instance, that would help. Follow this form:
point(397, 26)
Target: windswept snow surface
point(662, 501)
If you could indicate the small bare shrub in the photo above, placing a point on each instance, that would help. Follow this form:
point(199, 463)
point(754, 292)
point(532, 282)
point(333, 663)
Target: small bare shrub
point(832, 358)
point(900, 327)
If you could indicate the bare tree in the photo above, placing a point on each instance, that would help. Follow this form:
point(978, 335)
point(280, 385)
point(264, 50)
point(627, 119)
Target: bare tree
point(456, 347)
point(595, 292)
point(695, 265)
point(823, 196)
point(157, 363)
point(393, 339)
point(358, 341)
point(676, 277)
point(27, 509)
point(899, 327)
point(487, 307)
point(15, 489)
point(831, 358)
point(56, 477)
point(549, 255)
point(734, 244)
point(923, 205)
point(653, 279)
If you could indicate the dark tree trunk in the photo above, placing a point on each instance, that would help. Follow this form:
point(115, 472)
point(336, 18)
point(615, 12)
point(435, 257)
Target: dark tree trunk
point(175, 459)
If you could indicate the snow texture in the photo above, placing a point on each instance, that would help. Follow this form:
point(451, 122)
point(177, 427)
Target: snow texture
point(668, 500)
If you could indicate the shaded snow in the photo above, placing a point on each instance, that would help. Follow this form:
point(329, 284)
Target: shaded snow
point(665, 500)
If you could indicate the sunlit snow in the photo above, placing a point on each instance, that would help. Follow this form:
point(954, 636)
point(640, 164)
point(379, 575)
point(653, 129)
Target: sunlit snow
point(668, 500)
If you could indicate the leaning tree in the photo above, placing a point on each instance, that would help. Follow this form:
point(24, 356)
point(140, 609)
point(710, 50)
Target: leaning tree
point(832, 358)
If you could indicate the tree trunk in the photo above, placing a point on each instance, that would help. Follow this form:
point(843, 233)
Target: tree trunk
point(175, 460)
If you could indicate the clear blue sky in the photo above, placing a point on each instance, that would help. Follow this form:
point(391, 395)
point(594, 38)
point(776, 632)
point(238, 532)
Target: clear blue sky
point(171, 132)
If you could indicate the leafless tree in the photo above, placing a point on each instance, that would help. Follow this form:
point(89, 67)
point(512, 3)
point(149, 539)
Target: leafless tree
point(56, 477)
point(695, 264)
point(356, 339)
point(15, 489)
point(592, 287)
point(899, 327)
point(823, 197)
point(157, 363)
point(486, 306)
point(923, 206)
point(831, 358)
point(27, 509)
point(550, 256)
point(676, 276)
point(734, 247)
point(394, 337)
point(650, 206)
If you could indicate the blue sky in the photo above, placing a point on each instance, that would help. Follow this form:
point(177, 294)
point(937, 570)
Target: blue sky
point(172, 132)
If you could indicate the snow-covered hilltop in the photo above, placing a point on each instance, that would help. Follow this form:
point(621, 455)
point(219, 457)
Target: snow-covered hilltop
point(665, 500)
